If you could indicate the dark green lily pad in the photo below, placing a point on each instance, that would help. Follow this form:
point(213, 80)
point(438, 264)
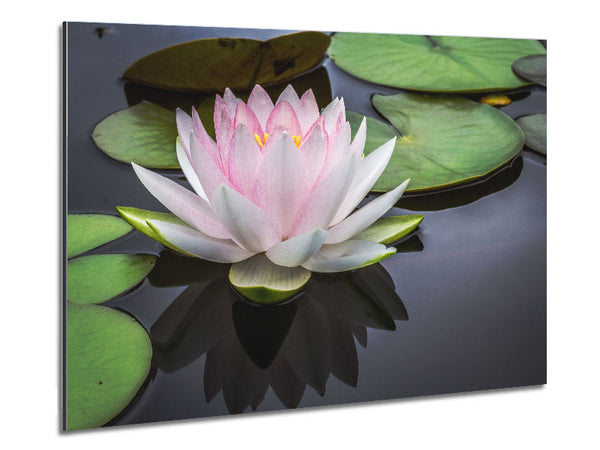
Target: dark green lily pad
point(534, 127)
point(432, 63)
point(442, 141)
point(532, 68)
point(88, 231)
point(108, 359)
point(211, 65)
point(97, 278)
point(144, 133)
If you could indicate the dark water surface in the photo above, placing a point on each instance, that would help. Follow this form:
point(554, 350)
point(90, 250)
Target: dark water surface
point(466, 293)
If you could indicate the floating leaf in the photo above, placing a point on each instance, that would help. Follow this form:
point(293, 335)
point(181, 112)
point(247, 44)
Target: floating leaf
point(260, 280)
point(532, 68)
point(534, 127)
point(97, 278)
point(432, 63)
point(144, 133)
point(88, 231)
point(389, 229)
point(211, 65)
point(443, 141)
point(108, 359)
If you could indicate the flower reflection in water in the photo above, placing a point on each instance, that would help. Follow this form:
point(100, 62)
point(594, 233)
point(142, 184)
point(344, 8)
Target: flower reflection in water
point(288, 347)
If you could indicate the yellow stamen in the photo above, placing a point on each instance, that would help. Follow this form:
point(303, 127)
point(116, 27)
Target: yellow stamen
point(263, 141)
point(297, 140)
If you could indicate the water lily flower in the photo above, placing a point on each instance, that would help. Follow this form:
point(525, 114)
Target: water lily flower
point(276, 194)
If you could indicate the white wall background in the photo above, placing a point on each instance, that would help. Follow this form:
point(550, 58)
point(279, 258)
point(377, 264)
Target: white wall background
point(563, 413)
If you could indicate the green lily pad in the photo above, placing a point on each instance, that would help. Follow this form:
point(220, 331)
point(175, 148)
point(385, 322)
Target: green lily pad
point(259, 280)
point(97, 278)
point(389, 229)
point(442, 141)
point(532, 68)
point(211, 65)
point(534, 127)
point(144, 133)
point(88, 231)
point(108, 359)
point(432, 63)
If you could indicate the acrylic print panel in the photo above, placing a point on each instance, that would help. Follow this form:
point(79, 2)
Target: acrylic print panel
point(262, 220)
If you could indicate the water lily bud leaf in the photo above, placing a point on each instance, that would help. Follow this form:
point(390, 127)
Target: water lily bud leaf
point(534, 127)
point(442, 141)
point(389, 229)
point(432, 63)
point(259, 280)
point(97, 278)
point(532, 68)
point(137, 218)
point(211, 65)
point(496, 100)
point(88, 231)
point(144, 133)
point(108, 359)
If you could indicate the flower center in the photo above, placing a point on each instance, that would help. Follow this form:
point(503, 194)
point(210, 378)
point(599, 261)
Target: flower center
point(297, 140)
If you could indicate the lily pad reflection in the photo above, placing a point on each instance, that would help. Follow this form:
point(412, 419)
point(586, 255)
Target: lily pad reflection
point(287, 347)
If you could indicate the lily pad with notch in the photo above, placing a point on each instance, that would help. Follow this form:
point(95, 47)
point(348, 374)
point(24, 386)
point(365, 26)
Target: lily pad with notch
point(442, 141)
point(433, 63)
point(532, 68)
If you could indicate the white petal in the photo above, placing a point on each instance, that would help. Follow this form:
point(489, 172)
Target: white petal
point(186, 205)
point(188, 171)
point(368, 172)
point(248, 225)
point(365, 216)
point(347, 256)
point(185, 125)
point(198, 244)
point(296, 250)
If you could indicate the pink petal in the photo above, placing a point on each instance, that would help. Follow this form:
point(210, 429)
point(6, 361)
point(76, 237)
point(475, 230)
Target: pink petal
point(189, 172)
point(231, 101)
point(245, 158)
point(314, 150)
point(223, 130)
point(186, 205)
point(204, 137)
point(245, 116)
point(248, 225)
point(338, 149)
point(307, 110)
point(282, 180)
point(289, 95)
point(283, 118)
point(262, 105)
point(209, 172)
point(321, 205)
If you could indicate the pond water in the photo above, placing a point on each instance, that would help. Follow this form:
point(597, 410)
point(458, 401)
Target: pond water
point(466, 293)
